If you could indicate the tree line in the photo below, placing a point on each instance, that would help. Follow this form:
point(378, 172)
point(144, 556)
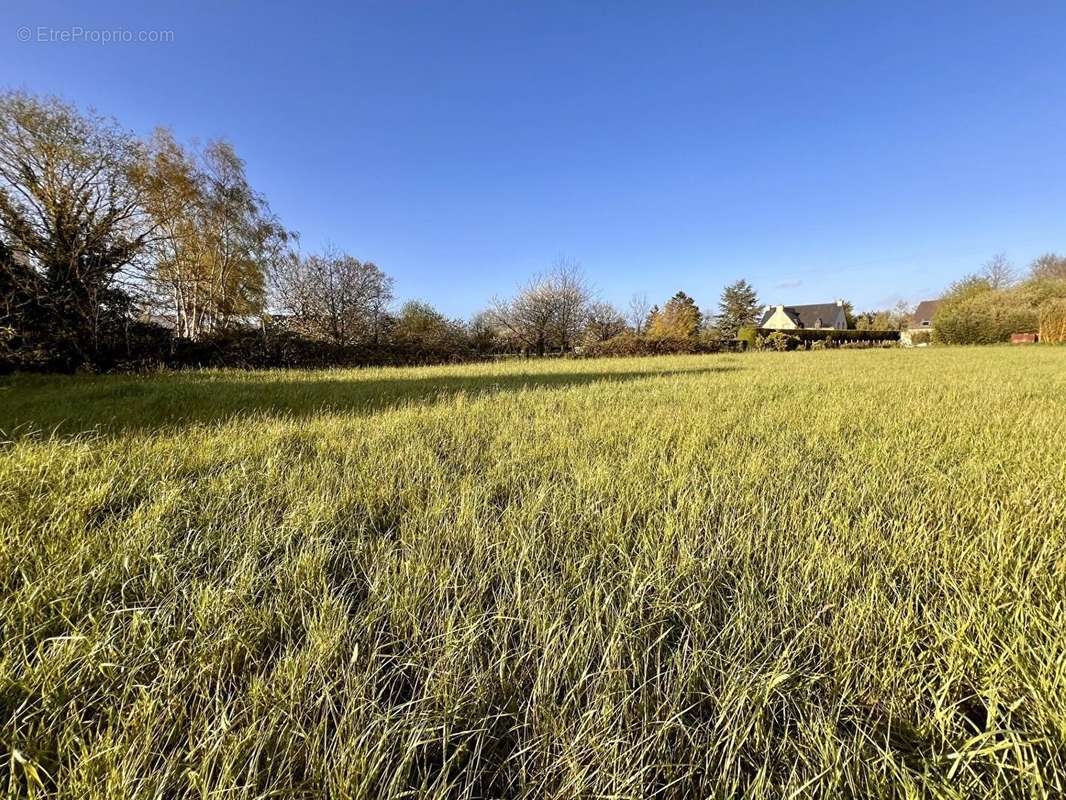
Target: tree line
point(122, 252)
point(118, 251)
point(100, 230)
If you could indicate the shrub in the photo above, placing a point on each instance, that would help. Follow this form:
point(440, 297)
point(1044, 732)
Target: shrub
point(629, 345)
point(422, 335)
point(824, 338)
point(866, 345)
point(780, 342)
point(1053, 321)
point(833, 337)
point(975, 314)
point(748, 335)
point(984, 318)
point(276, 346)
point(132, 346)
point(20, 352)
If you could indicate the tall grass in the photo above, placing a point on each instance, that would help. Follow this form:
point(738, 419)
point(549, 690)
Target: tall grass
point(769, 575)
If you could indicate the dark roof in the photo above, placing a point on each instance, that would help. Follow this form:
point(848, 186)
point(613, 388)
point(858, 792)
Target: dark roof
point(924, 312)
point(818, 315)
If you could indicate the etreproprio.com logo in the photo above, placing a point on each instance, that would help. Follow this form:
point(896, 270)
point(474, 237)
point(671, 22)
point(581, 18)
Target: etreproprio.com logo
point(77, 34)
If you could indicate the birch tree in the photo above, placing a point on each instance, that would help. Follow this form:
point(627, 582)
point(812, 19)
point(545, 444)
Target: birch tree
point(220, 240)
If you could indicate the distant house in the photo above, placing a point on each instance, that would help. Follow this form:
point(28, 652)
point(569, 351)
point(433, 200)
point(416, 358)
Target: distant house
point(920, 323)
point(819, 316)
point(922, 318)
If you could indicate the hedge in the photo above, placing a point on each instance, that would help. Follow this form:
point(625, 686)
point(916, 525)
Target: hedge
point(748, 335)
point(147, 347)
point(628, 345)
point(830, 335)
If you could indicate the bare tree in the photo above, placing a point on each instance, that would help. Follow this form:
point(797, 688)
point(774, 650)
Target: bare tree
point(333, 296)
point(547, 312)
point(638, 312)
point(527, 318)
point(1049, 266)
point(999, 272)
point(604, 321)
point(901, 314)
point(572, 295)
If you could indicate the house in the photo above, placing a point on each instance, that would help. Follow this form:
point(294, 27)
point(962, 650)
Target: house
point(922, 318)
point(919, 328)
point(819, 316)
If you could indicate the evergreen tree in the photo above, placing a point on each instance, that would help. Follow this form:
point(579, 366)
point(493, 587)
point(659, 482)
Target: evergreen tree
point(678, 319)
point(738, 308)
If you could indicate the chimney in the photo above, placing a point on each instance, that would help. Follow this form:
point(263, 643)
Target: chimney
point(840, 303)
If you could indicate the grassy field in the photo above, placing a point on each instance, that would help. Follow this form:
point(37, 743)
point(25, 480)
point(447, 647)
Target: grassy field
point(775, 575)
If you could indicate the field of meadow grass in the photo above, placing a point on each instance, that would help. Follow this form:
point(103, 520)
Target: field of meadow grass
point(765, 575)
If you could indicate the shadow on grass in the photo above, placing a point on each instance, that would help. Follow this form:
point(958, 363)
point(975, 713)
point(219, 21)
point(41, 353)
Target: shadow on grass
point(115, 405)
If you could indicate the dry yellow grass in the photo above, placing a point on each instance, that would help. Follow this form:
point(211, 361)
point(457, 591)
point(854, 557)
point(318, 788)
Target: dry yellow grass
point(766, 575)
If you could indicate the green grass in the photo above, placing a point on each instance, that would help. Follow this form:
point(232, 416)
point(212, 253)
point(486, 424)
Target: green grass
point(765, 575)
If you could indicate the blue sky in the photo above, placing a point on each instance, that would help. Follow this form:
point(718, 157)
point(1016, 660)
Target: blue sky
point(818, 149)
